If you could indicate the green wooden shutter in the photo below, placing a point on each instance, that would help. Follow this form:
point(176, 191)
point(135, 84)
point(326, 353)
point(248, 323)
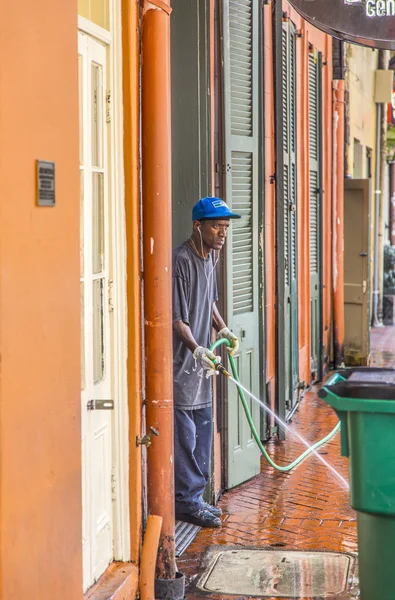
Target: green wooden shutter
point(240, 22)
point(315, 111)
point(285, 211)
point(293, 218)
point(289, 211)
point(242, 235)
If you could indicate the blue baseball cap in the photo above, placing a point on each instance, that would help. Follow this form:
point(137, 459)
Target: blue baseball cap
point(212, 208)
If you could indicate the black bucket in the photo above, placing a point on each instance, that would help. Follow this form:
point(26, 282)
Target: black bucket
point(170, 589)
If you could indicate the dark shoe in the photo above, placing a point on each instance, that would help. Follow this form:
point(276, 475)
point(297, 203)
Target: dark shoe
point(202, 518)
point(215, 510)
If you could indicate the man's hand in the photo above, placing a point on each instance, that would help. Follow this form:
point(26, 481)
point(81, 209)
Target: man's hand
point(232, 339)
point(206, 359)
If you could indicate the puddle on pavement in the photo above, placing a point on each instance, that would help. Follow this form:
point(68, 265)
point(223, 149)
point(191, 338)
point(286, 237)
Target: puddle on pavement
point(277, 574)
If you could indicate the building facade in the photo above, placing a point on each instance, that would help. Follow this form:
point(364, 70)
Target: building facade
point(85, 311)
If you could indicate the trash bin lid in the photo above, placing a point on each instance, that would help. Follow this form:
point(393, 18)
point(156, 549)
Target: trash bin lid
point(361, 389)
point(364, 390)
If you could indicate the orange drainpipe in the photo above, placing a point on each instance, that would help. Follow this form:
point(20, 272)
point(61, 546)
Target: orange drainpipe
point(132, 207)
point(157, 245)
point(338, 221)
point(148, 558)
point(327, 200)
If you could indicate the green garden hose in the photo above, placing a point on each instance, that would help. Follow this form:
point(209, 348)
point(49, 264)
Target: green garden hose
point(262, 448)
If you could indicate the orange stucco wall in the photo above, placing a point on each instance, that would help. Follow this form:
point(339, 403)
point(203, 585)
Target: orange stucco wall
point(40, 452)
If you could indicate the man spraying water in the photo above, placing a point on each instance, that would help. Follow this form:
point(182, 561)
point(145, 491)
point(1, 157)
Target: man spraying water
point(194, 315)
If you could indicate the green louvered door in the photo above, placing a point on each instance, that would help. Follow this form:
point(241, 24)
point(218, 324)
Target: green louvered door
point(240, 20)
point(315, 124)
point(288, 212)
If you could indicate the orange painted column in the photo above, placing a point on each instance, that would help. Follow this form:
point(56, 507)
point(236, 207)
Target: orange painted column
point(338, 221)
point(40, 385)
point(327, 199)
point(270, 201)
point(157, 245)
point(130, 64)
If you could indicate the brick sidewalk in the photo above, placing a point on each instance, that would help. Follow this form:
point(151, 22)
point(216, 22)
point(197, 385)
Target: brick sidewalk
point(306, 509)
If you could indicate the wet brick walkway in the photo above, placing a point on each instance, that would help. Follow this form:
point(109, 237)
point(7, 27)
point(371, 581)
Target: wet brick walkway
point(306, 509)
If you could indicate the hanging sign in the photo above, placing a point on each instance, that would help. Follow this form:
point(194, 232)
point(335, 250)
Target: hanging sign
point(366, 22)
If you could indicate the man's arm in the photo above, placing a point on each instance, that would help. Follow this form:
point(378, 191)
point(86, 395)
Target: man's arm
point(184, 332)
point(218, 322)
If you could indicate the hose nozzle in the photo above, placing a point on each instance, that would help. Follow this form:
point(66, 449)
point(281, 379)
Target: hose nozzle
point(221, 369)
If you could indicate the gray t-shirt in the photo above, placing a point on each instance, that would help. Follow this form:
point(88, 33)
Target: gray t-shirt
point(194, 293)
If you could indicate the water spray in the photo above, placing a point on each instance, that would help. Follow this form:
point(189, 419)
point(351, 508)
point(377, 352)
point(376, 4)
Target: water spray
point(311, 449)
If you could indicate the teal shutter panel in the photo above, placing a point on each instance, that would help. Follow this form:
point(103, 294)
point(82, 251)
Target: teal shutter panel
point(240, 23)
point(285, 272)
point(241, 67)
point(315, 116)
point(293, 218)
point(314, 142)
point(290, 350)
point(242, 235)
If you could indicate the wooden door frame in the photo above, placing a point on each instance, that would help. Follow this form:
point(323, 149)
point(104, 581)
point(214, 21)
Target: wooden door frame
point(280, 231)
point(321, 355)
point(117, 272)
point(281, 308)
point(364, 184)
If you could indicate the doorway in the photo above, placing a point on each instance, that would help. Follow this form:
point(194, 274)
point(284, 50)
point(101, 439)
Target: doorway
point(315, 136)
point(104, 416)
point(241, 33)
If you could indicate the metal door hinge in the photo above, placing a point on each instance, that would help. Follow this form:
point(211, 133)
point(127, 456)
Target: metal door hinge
point(273, 430)
point(222, 168)
point(145, 440)
point(100, 405)
point(113, 484)
point(109, 108)
point(110, 295)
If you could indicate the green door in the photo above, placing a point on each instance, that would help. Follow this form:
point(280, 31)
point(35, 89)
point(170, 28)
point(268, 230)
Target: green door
point(315, 125)
point(240, 26)
point(287, 231)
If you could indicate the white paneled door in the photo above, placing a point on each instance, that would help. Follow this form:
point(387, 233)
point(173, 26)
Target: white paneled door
point(96, 396)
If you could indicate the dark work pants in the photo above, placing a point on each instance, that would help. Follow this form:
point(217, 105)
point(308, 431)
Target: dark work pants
point(193, 431)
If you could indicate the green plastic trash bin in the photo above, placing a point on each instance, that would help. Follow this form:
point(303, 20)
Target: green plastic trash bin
point(364, 400)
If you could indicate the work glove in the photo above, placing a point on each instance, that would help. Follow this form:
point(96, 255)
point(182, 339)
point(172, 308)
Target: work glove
point(206, 359)
point(232, 339)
